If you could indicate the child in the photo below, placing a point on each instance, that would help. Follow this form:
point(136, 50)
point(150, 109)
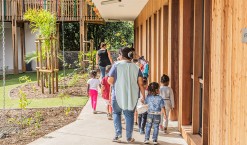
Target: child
point(167, 94)
point(136, 61)
point(155, 106)
point(105, 89)
point(142, 118)
point(92, 89)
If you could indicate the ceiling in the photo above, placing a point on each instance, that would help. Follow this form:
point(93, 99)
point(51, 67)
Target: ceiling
point(126, 10)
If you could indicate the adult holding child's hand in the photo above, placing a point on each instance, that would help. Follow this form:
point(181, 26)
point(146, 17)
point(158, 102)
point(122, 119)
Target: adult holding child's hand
point(126, 79)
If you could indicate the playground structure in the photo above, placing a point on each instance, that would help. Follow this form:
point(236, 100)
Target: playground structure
point(82, 11)
point(47, 64)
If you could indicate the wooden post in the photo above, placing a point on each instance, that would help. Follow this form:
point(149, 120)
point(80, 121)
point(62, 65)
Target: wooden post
point(197, 63)
point(23, 48)
point(185, 61)
point(164, 40)
point(14, 37)
point(206, 73)
point(173, 53)
point(37, 62)
point(82, 48)
point(52, 63)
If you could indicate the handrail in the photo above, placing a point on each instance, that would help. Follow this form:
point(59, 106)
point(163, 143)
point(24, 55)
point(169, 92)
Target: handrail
point(71, 9)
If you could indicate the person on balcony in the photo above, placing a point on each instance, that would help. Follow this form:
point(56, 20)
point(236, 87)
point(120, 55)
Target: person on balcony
point(126, 80)
point(103, 58)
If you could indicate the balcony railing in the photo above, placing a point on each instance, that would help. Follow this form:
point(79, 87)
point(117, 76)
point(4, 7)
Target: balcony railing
point(65, 10)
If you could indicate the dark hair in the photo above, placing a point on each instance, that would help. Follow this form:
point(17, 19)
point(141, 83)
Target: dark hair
point(164, 79)
point(93, 73)
point(135, 60)
point(126, 52)
point(132, 49)
point(102, 44)
point(145, 80)
point(153, 87)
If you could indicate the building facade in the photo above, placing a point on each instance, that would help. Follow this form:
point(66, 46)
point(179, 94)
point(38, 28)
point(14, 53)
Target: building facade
point(198, 43)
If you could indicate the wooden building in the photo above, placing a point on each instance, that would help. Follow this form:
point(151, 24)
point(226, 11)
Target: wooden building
point(200, 45)
point(19, 39)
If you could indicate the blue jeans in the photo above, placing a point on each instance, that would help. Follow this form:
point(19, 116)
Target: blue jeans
point(142, 120)
point(102, 71)
point(155, 121)
point(129, 119)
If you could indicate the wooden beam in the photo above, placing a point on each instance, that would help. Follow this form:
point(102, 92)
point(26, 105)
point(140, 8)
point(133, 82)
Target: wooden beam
point(197, 63)
point(82, 28)
point(23, 48)
point(153, 48)
point(164, 39)
point(185, 53)
point(206, 73)
point(173, 53)
point(14, 38)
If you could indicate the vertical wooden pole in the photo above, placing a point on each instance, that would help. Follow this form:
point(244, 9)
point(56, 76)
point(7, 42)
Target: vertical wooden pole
point(197, 63)
point(206, 73)
point(173, 53)
point(185, 53)
point(53, 62)
point(23, 48)
point(82, 48)
point(37, 62)
point(164, 38)
point(14, 37)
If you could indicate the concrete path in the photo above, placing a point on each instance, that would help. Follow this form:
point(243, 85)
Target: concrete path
point(96, 129)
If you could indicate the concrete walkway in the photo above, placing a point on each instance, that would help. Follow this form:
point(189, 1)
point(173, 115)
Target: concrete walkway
point(96, 129)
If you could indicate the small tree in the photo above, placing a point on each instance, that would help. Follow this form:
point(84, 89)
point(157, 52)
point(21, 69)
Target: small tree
point(43, 22)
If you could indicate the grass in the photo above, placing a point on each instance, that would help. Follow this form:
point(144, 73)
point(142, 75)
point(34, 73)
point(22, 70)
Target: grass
point(12, 81)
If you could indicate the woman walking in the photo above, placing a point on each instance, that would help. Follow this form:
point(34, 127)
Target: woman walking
point(103, 58)
point(126, 79)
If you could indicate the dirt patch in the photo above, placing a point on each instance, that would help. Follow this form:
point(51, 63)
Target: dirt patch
point(48, 120)
point(67, 85)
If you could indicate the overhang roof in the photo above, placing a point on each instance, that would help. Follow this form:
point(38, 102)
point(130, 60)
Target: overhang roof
point(126, 10)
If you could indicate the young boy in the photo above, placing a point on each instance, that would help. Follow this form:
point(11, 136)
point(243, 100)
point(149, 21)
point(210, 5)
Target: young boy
point(167, 94)
point(106, 93)
point(155, 106)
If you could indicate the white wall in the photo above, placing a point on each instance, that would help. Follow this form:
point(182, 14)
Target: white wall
point(30, 46)
point(30, 42)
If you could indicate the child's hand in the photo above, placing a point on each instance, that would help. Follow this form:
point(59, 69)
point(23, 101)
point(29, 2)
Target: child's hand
point(165, 117)
point(142, 100)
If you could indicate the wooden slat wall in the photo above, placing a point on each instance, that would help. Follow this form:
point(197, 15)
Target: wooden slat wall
point(228, 110)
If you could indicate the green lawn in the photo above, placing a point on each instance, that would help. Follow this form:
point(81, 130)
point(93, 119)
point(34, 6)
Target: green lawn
point(12, 81)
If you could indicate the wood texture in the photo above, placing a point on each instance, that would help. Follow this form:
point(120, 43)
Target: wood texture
point(173, 61)
point(185, 53)
point(228, 73)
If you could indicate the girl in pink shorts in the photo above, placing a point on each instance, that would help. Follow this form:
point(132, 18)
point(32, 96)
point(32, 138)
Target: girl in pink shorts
point(92, 89)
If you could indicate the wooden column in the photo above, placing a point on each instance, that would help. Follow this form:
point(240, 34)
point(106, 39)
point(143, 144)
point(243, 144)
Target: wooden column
point(23, 48)
point(164, 40)
point(82, 25)
point(14, 37)
point(158, 48)
point(185, 61)
point(197, 63)
point(153, 47)
point(173, 53)
point(206, 72)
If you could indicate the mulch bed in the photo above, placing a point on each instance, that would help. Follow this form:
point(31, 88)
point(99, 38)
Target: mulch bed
point(51, 119)
point(32, 90)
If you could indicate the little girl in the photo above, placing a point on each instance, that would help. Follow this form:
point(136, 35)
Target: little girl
point(155, 106)
point(105, 89)
point(167, 94)
point(92, 89)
